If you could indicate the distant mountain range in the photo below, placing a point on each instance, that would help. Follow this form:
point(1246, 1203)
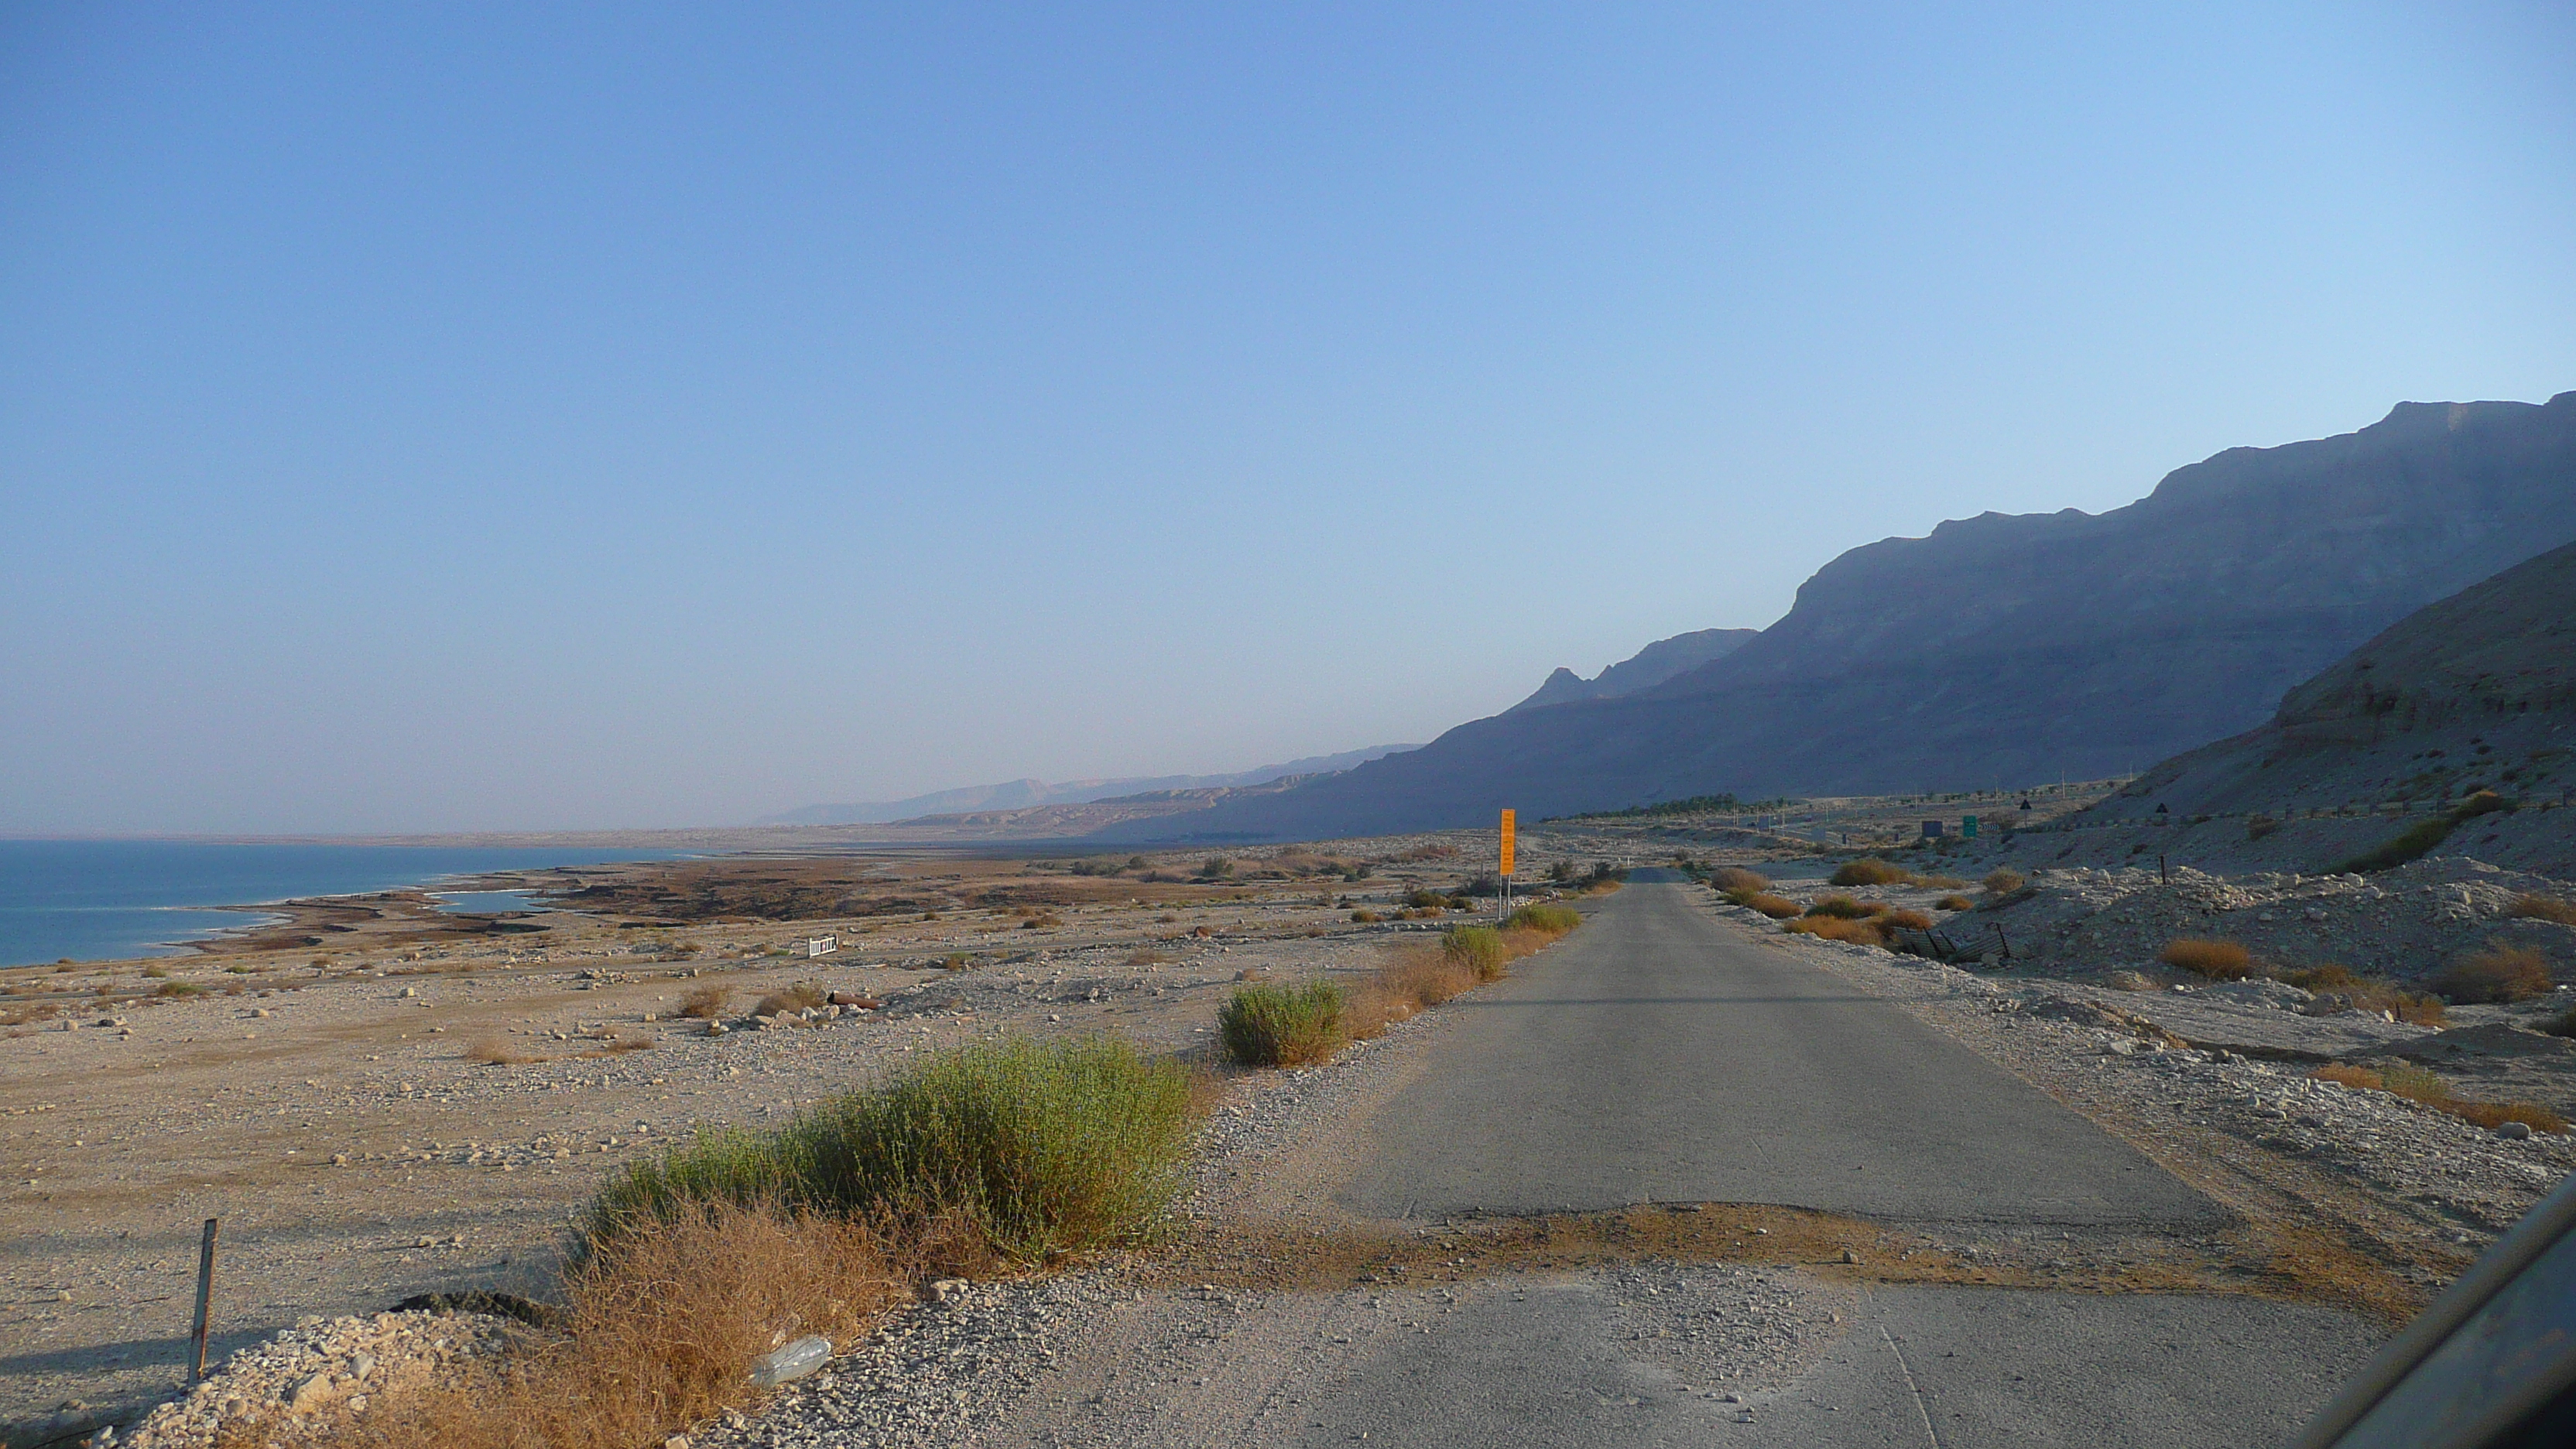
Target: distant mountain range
point(2011, 648)
point(1648, 667)
point(1013, 795)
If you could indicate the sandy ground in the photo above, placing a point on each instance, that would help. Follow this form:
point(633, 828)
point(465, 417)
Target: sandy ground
point(323, 1102)
point(331, 1115)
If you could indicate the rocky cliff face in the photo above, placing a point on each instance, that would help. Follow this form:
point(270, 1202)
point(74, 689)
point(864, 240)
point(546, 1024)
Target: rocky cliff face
point(2004, 649)
point(1664, 659)
point(2475, 691)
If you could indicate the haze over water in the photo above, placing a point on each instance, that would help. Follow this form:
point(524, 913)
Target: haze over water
point(102, 899)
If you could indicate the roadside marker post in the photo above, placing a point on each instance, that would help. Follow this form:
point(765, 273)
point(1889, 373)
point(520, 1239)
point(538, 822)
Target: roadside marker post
point(1508, 832)
point(205, 1302)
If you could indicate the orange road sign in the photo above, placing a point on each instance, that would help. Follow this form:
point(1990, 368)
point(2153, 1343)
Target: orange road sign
point(1507, 842)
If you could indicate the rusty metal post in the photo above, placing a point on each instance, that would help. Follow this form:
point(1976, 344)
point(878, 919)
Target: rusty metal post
point(205, 1302)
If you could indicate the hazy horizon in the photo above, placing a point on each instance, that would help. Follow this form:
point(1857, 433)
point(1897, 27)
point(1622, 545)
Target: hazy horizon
point(483, 419)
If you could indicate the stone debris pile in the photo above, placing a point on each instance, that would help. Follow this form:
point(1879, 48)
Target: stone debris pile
point(305, 1385)
point(2405, 924)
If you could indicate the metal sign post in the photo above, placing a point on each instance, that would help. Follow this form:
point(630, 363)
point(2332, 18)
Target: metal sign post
point(1508, 832)
point(205, 1302)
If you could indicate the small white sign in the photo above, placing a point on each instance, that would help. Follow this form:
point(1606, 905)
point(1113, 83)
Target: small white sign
point(821, 946)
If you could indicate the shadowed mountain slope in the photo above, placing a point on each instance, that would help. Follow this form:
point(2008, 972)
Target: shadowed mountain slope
point(2005, 649)
point(2476, 691)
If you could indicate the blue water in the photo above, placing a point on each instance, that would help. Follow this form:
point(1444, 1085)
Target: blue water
point(96, 899)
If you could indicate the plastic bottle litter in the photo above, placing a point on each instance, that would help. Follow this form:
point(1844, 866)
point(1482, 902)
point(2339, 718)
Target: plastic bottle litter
point(794, 1361)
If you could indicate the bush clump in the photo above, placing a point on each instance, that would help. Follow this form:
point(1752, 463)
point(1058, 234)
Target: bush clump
point(1552, 920)
point(2497, 974)
point(1869, 870)
point(1283, 1026)
point(1478, 948)
point(1737, 878)
point(1778, 908)
point(2217, 960)
point(1035, 1149)
point(1845, 908)
point(1954, 903)
point(2003, 880)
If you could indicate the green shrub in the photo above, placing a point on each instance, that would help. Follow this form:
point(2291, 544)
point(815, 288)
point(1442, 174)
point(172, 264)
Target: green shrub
point(1283, 1026)
point(1478, 948)
point(1040, 1148)
point(1554, 920)
point(2424, 836)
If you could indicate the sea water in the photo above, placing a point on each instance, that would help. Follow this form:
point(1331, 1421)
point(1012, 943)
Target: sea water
point(99, 899)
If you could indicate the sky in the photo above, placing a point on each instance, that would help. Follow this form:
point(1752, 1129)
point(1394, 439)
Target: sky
point(423, 418)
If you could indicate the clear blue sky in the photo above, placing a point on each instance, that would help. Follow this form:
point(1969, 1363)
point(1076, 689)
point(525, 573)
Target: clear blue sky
point(536, 416)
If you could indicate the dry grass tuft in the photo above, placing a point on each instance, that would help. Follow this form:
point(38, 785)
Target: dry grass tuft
point(1954, 903)
point(2004, 880)
point(2420, 1086)
point(2499, 973)
point(1862, 932)
point(2545, 908)
point(659, 1331)
point(1845, 908)
point(1737, 878)
point(1912, 920)
point(2370, 993)
point(706, 1003)
point(492, 1051)
point(794, 999)
point(617, 1043)
point(1778, 908)
point(2217, 960)
point(1869, 870)
point(1418, 979)
point(1148, 956)
point(1366, 918)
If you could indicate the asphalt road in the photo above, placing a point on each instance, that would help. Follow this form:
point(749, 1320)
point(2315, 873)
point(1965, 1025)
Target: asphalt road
point(1655, 1056)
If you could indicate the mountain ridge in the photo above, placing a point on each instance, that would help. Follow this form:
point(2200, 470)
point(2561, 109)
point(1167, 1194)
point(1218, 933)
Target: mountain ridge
point(2004, 648)
point(1031, 793)
point(1664, 659)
